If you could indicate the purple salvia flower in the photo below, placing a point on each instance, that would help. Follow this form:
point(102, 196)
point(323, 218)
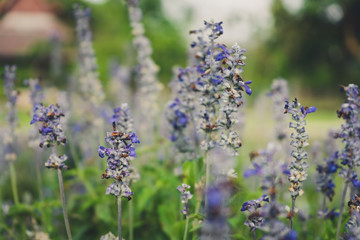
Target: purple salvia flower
point(123, 118)
point(350, 133)
point(300, 138)
point(118, 158)
point(185, 197)
point(50, 129)
point(178, 118)
point(90, 85)
point(180, 112)
point(350, 136)
point(219, 70)
point(298, 167)
point(325, 177)
point(51, 132)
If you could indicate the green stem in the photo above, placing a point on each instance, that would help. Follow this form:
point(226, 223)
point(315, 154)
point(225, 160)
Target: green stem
point(38, 174)
point(254, 234)
point(66, 219)
point(186, 227)
point(292, 213)
point(39, 183)
point(119, 218)
point(207, 177)
point(13, 182)
point(131, 219)
point(341, 211)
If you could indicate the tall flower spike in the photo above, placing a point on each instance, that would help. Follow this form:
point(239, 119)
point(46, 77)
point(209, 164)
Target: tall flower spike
point(146, 73)
point(300, 138)
point(298, 167)
point(221, 87)
point(350, 136)
point(9, 77)
point(325, 175)
point(89, 83)
point(181, 113)
point(51, 136)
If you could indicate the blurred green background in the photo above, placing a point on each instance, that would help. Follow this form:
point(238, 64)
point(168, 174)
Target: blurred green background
point(315, 46)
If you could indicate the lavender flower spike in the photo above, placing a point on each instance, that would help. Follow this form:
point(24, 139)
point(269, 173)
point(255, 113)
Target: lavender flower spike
point(9, 138)
point(350, 136)
point(298, 167)
point(185, 197)
point(118, 158)
point(90, 85)
point(51, 136)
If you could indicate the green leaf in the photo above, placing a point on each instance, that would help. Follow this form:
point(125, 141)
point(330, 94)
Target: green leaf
point(103, 212)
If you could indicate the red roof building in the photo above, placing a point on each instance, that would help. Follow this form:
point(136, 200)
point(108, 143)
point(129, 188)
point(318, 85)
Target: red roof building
point(27, 22)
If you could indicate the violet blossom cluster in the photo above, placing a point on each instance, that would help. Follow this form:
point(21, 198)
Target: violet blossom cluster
point(51, 132)
point(298, 167)
point(90, 85)
point(125, 123)
point(118, 158)
point(221, 87)
point(9, 77)
point(350, 135)
point(185, 197)
point(254, 220)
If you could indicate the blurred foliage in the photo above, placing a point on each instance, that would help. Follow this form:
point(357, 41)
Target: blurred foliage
point(317, 47)
point(113, 38)
point(112, 41)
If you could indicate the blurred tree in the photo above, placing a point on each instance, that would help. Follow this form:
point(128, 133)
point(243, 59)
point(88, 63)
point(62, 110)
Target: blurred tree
point(318, 46)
